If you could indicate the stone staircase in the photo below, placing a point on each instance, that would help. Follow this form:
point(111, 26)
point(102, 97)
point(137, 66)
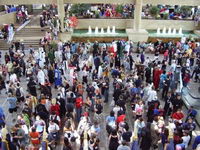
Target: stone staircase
point(30, 34)
point(4, 45)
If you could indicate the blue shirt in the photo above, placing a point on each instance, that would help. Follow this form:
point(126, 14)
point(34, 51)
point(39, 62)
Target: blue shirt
point(12, 102)
point(196, 142)
point(110, 119)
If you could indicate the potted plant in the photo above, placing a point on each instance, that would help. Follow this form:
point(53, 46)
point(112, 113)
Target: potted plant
point(166, 16)
point(154, 11)
point(74, 10)
point(119, 10)
point(97, 15)
point(186, 11)
point(79, 9)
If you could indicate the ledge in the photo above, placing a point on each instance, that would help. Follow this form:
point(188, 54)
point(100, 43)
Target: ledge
point(154, 2)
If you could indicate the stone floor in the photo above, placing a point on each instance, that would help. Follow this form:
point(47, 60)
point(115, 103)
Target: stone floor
point(107, 107)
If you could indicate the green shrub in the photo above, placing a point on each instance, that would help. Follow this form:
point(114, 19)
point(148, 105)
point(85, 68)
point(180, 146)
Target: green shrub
point(186, 10)
point(119, 9)
point(154, 11)
point(165, 16)
point(78, 9)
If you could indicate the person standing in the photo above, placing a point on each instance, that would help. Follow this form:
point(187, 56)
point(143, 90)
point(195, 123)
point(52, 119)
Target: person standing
point(113, 140)
point(12, 103)
point(146, 137)
point(98, 110)
point(167, 106)
point(41, 77)
point(57, 78)
point(78, 104)
point(156, 77)
point(32, 87)
point(166, 85)
point(105, 90)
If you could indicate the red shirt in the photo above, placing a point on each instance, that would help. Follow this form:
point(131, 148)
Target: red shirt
point(178, 115)
point(120, 118)
point(55, 108)
point(79, 102)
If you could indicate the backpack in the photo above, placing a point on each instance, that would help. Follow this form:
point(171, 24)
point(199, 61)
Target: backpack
point(54, 119)
point(18, 93)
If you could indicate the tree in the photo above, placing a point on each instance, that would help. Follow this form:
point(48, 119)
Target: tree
point(79, 9)
point(154, 11)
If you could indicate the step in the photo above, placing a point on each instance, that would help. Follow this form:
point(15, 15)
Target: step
point(4, 45)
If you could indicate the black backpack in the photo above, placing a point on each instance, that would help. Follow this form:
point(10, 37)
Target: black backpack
point(18, 93)
point(54, 119)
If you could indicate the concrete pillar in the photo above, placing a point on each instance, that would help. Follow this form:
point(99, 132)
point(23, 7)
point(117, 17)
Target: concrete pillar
point(61, 13)
point(137, 15)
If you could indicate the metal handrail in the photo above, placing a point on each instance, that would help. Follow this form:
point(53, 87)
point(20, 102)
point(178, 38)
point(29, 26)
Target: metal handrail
point(20, 28)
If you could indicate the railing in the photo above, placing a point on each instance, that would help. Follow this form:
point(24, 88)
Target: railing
point(18, 29)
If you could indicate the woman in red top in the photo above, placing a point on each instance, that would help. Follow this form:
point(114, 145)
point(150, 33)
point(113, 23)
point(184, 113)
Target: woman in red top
point(55, 107)
point(34, 138)
point(178, 115)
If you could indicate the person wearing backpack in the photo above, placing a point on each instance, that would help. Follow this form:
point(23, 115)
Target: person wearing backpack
point(12, 103)
point(19, 93)
point(55, 118)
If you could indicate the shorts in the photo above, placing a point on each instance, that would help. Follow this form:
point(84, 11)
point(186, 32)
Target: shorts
point(11, 110)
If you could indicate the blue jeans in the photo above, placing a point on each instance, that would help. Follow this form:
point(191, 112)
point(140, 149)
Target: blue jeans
point(78, 113)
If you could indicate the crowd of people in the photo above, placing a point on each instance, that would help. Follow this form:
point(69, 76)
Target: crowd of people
point(48, 18)
point(7, 32)
point(172, 12)
point(22, 14)
point(69, 87)
point(105, 11)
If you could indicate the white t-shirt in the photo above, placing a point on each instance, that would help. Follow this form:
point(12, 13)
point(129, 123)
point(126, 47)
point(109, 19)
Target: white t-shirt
point(53, 128)
point(186, 140)
point(152, 95)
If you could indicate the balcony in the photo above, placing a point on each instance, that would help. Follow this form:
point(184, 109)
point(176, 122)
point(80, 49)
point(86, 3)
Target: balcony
point(154, 2)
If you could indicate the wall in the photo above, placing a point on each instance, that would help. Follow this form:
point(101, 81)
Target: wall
point(128, 23)
point(104, 23)
point(154, 24)
point(8, 18)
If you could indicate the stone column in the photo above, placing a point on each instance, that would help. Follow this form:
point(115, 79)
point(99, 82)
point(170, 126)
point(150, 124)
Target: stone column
point(137, 15)
point(61, 13)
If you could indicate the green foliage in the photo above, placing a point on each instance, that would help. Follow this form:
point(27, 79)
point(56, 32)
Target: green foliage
point(30, 8)
point(78, 9)
point(186, 10)
point(2, 8)
point(97, 14)
point(165, 16)
point(154, 11)
point(53, 46)
point(119, 9)
point(44, 7)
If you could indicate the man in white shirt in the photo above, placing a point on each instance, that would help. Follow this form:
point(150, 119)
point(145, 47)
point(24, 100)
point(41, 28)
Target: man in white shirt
point(184, 144)
point(152, 95)
point(53, 130)
point(41, 77)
